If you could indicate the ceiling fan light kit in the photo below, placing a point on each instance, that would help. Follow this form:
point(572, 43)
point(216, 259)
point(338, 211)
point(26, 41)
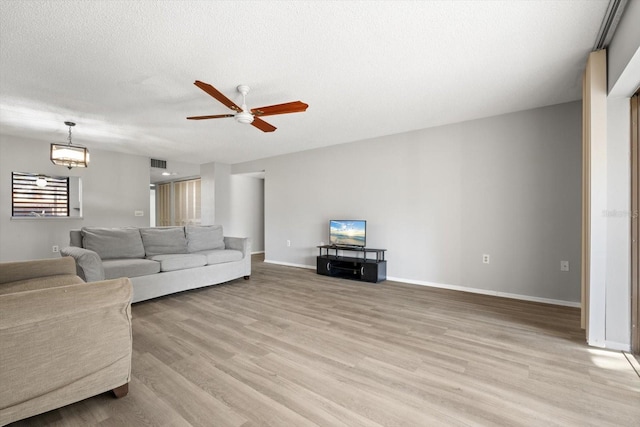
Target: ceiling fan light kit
point(69, 155)
point(243, 114)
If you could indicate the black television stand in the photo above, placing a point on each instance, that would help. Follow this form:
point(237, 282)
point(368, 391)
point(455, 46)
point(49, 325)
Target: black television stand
point(358, 267)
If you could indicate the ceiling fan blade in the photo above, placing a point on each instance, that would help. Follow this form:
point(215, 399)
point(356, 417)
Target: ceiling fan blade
point(289, 107)
point(262, 125)
point(217, 116)
point(217, 95)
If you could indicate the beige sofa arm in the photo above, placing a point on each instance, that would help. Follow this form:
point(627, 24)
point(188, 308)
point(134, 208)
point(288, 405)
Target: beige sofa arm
point(24, 270)
point(63, 344)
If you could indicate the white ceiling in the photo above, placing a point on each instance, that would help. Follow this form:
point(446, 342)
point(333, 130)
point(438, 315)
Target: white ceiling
point(124, 70)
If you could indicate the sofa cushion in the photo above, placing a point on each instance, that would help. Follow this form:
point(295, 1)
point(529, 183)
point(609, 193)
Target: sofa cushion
point(218, 256)
point(204, 237)
point(115, 268)
point(179, 261)
point(164, 240)
point(113, 243)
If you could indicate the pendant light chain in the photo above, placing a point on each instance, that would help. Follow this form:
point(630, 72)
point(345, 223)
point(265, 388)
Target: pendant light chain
point(70, 124)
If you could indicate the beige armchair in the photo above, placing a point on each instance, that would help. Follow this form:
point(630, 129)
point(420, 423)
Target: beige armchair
point(61, 339)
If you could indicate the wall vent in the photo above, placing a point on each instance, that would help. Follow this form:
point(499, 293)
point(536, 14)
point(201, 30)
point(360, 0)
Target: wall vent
point(160, 164)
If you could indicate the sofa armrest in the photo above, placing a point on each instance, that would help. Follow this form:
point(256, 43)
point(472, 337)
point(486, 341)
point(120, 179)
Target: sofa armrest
point(63, 344)
point(242, 244)
point(24, 270)
point(88, 263)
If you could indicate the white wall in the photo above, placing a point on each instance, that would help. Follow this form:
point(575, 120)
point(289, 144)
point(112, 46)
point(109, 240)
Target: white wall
point(439, 198)
point(114, 186)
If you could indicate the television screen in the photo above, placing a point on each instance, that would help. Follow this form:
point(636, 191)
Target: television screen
point(348, 232)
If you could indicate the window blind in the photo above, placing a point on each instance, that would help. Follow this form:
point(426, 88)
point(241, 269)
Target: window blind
point(30, 199)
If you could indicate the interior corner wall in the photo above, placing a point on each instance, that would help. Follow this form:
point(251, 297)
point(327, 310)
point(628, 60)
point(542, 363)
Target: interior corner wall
point(222, 180)
point(234, 201)
point(438, 199)
point(247, 210)
point(215, 188)
point(114, 186)
point(208, 194)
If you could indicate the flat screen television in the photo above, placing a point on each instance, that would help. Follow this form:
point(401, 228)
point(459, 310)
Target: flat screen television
point(350, 232)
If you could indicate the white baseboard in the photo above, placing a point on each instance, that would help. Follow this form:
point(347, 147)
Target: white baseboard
point(289, 264)
point(488, 292)
point(612, 345)
point(456, 288)
point(257, 252)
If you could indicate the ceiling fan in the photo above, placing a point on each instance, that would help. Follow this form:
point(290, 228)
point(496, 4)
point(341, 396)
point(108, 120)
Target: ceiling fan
point(244, 115)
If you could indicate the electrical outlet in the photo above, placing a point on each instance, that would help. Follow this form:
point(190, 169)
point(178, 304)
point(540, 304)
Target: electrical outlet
point(288, 243)
point(485, 259)
point(564, 265)
point(55, 248)
point(138, 213)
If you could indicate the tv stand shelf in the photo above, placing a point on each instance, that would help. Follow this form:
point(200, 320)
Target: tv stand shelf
point(355, 267)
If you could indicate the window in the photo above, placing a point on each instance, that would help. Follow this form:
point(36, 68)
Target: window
point(178, 203)
point(36, 195)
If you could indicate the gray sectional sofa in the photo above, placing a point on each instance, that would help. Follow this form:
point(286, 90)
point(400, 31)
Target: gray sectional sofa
point(160, 260)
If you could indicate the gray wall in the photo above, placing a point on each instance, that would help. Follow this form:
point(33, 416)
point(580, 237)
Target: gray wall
point(233, 201)
point(247, 210)
point(439, 198)
point(215, 193)
point(181, 170)
point(114, 186)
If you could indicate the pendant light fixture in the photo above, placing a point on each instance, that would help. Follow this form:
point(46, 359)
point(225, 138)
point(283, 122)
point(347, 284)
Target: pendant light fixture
point(71, 156)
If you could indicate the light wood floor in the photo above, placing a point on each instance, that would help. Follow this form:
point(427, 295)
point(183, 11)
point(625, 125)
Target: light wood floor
point(291, 348)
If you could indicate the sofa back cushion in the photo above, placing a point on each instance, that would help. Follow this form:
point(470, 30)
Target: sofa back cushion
point(75, 238)
point(112, 243)
point(204, 237)
point(164, 240)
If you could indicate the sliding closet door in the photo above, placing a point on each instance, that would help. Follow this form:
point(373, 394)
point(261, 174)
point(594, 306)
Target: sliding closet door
point(594, 140)
point(586, 158)
point(635, 227)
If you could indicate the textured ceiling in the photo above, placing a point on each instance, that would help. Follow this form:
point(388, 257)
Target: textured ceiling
point(124, 70)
